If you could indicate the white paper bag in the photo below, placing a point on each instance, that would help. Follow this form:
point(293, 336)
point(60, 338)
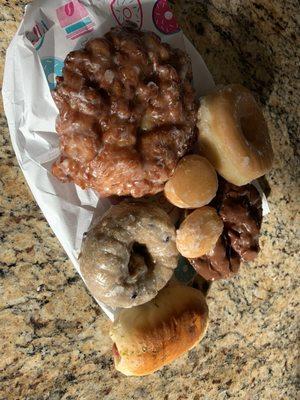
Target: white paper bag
point(49, 31)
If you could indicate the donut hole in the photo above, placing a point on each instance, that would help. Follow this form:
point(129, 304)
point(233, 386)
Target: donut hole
point(140, 262)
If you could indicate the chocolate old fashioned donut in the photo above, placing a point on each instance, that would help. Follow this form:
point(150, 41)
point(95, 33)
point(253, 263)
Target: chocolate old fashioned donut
point(240, 209)
point(130, 255)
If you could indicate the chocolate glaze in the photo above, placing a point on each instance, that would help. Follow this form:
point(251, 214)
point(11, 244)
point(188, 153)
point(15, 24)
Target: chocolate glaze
point(241, 211)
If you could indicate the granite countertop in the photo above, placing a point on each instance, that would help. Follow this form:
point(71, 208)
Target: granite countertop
point(54, 342)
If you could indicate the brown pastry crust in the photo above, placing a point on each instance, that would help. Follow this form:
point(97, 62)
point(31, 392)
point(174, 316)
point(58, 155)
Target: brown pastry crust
point(129, 255)
point(127, 113)
point(150, 336)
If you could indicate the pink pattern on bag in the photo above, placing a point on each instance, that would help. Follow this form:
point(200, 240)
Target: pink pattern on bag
point(75, 19)
point(127, 10)
point(164, 19)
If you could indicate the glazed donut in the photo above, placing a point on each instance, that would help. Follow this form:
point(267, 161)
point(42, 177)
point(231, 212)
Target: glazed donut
point(240, 208)
point(127, 112)
point(129, 255)
point(233, 134)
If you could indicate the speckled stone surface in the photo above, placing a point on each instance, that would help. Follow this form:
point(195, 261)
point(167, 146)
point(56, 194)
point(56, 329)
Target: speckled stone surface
point(54, 342)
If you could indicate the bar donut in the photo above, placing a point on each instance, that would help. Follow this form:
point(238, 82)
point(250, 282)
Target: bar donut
point(154, 334)
point(129, 255)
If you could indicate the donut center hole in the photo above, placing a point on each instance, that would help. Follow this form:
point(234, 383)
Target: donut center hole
point(247, 128)
point(140, 262)
point(254, 129)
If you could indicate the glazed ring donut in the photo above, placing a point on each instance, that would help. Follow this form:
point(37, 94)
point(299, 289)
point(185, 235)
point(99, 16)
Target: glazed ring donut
point(233, 134)
point(130, 255)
